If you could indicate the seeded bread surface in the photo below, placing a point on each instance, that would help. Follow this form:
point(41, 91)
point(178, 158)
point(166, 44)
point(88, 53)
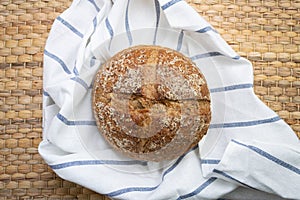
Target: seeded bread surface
point(151, 103)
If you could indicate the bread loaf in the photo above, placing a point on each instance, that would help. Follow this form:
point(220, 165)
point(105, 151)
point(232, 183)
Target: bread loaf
point(151, 103)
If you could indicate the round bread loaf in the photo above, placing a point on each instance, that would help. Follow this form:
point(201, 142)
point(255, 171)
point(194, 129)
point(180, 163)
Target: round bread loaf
point(151, 103)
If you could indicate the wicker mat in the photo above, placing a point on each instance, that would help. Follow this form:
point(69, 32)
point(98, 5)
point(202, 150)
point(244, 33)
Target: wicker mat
point(266, 32)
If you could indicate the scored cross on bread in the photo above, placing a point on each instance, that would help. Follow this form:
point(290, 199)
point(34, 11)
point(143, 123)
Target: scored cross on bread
point(151, 103)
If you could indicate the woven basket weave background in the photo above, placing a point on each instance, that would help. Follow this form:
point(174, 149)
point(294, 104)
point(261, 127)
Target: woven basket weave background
point(266, 32)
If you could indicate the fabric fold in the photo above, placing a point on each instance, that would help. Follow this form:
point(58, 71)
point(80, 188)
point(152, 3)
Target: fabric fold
point(277, 166)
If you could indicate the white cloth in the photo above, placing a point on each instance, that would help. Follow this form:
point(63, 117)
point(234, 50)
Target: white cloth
point(247, 146)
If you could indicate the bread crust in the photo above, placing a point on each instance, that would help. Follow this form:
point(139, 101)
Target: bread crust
point(151, 103)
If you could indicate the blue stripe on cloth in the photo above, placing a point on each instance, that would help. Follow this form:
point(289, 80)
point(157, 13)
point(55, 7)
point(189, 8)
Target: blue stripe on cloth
point(95, 23)
point(270, 157)
point(147, 189)
point(169, 4)
point(232, 178)
point(178, 161)
point(210, 54)
point(209, 161)
point(109, 28)
point(75, 70)
point(231, 87)
point(180, 40)
point(245, 123)
point(69, 26)
point(110, 31)
point(237, 57)
point(80, 81)
point(131, 189)
point(57, 59)
point(157, 11)
point(96, 162)
point(46, 93)
point(129, 36)
point(92, 61)
point(206, 29)
point(75, 123)
point(206, 55)
point(198, 190)
point(95, 5)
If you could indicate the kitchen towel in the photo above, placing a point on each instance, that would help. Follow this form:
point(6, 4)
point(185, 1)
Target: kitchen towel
point(247, 146)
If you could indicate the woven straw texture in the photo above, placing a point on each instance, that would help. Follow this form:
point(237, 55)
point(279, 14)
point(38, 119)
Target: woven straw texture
point(266, 32)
